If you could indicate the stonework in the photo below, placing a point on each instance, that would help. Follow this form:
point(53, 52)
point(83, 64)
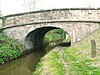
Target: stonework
point(77, 22)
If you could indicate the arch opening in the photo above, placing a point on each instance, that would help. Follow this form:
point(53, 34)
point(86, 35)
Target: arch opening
point(35, 39)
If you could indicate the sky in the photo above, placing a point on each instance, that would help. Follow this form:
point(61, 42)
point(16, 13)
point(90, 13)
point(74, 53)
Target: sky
point(19, 6)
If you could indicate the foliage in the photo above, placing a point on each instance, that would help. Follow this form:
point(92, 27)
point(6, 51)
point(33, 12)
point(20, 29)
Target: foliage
point(55, 34)
point(3, 20)
point(9, 49)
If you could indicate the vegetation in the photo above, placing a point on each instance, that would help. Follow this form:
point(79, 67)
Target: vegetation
point(9, 49)
point(55, 35)
point(44, 67)
point(54, 38)
point(75, 60)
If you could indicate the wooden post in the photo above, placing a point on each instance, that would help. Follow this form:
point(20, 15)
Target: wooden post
point(93, 48)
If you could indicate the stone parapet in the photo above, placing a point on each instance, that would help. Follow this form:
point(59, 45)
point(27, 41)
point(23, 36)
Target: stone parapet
point(54, 14)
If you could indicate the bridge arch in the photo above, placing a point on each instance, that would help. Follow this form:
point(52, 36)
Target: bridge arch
point(77, 22)
point(35, 38)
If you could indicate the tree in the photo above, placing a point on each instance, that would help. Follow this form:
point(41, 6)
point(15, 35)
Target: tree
point(30, 4)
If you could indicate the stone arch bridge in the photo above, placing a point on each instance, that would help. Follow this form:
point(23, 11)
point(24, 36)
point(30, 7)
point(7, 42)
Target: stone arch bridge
point(29, 28)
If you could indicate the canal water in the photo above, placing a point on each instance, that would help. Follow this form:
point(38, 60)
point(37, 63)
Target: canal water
point(26, 64)
point(22, 66)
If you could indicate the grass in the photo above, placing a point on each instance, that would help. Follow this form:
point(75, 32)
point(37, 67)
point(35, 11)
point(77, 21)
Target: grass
point(76, 60)
point(80, 56)
point(51, 60)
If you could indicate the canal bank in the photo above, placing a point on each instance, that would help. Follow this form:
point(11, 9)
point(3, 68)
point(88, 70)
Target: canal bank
point(9, 49)
point(75, 60)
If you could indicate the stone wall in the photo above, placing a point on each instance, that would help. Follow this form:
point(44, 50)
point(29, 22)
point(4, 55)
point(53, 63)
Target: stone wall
point(54, 15)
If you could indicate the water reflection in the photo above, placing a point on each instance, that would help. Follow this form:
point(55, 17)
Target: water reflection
point(26, 64)
point(22, 66)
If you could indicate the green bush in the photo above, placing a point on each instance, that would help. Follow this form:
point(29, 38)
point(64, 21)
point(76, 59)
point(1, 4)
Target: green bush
point(9, 49)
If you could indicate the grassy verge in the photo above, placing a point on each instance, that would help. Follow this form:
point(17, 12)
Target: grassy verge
point(75, 60)
point(51, 60)
point(9, 49)
point(79, 56)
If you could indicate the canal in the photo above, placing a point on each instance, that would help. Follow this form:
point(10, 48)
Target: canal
point(24, 65)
